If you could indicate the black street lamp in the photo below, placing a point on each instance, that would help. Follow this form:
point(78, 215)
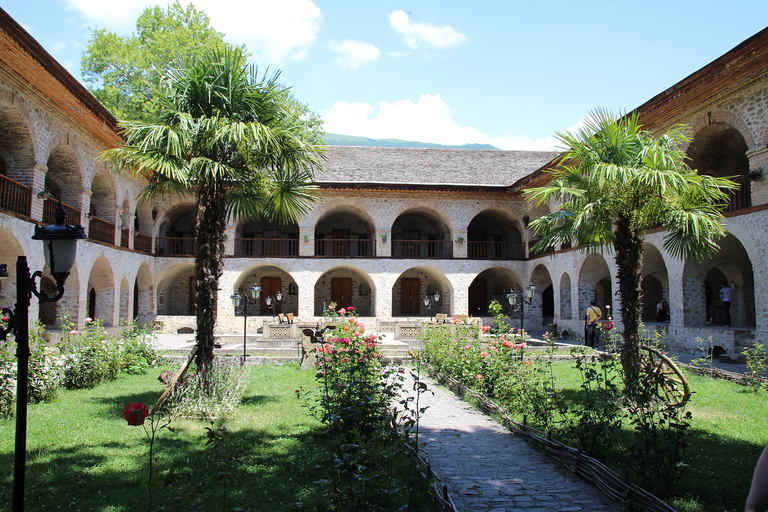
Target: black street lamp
point(272, 302)
point(430, 301)
point(512, 297)
point(60, 250)
point(241, 301)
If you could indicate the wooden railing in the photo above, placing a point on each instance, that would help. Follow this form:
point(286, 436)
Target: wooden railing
point(175, 246)
point(742, 197)
point(142, 243)
point(15, 197)
point(49, 206)
point(496, 250)
point(347, 248)
point(422, 249)
point(101, 230)
point(280, 247)
point(124, 238)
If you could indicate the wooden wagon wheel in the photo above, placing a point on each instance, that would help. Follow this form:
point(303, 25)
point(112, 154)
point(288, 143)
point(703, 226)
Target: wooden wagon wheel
point(662, 374)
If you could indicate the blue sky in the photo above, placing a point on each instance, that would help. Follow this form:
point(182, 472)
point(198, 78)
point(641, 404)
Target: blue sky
point(507, 73)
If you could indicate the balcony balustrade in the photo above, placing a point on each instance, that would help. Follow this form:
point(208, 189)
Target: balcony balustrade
point(422, 249)
point(742, 197)
point(101, 230)
point(142, 243)
point(124, 238)
point(277, 247)
point(345, 248)
point(49, 206)
point(175, 246)
point(15, 197)
point(496, 250)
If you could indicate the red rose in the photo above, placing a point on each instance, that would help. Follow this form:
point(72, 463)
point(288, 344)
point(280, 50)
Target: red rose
point(135, 414)
point(608, 326)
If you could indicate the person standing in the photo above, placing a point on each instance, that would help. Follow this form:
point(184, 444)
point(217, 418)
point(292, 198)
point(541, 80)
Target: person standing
point(662, 311)
point(593, 316)
point(725, 298)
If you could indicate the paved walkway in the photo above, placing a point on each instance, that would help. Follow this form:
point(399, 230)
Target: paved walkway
point(489, 469)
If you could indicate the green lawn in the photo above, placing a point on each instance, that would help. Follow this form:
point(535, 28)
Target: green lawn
point(82, 455)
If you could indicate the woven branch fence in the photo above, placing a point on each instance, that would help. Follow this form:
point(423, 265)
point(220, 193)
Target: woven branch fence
point(583, 466)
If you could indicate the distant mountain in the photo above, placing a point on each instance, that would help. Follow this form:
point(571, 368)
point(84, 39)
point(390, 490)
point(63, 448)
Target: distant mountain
point(334, 139)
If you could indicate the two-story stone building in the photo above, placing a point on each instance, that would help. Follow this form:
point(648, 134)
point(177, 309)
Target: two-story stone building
point(391, 226)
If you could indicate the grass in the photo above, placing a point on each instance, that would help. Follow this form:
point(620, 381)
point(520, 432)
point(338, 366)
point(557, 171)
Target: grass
point(728, 433)
point(81, 454)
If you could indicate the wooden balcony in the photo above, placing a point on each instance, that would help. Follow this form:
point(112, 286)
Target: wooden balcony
point(101, 230)
point(496, 250)
point(345, 248)
point(422, 249)
point(175, 246)
point(742, 197)
point(277, 247)
point(15, 197)
point(142, 243)
point(49, 207)
point(124, 238)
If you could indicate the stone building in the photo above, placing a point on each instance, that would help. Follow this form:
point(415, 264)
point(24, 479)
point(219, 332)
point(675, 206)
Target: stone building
point(391, 228)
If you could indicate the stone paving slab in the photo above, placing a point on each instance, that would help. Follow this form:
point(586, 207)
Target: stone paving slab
point(489, 469)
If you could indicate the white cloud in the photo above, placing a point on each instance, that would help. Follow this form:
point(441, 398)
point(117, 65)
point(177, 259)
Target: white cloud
point(427, 120)
point(415, 34)
point(272, 31)
point(353, 54)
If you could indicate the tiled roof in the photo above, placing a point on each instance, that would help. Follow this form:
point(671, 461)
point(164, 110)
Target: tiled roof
point(417, 166)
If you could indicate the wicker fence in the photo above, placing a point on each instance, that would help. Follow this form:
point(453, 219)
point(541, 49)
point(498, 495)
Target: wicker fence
point(591, 470)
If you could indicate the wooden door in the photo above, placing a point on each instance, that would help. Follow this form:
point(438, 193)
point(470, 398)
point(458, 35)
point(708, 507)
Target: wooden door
point(341, 291)
point(409, 296)
point(269, 288)
point(477, 298)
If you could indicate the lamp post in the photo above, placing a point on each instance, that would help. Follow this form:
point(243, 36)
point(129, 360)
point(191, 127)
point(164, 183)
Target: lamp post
point(512, 297)
point(240, 300)
point(272, 302)
point(429, 301)
point(60, 250)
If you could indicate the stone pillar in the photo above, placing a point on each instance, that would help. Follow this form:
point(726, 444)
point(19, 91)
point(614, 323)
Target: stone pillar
point(383, 244)
point(38, 185)
point(460, 245)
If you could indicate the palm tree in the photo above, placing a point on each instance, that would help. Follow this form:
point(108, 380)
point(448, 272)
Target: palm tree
point(612, 183)
point(230, 139)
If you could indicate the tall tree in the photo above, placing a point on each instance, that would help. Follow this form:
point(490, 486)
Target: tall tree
point(121, 71)
point(612, 183)
point(230, 139)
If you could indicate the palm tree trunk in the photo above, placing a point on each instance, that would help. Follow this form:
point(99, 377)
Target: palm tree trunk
point(209, 257)
point(629, 259)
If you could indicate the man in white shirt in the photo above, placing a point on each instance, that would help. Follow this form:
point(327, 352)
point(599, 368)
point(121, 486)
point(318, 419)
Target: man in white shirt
point(725, 298)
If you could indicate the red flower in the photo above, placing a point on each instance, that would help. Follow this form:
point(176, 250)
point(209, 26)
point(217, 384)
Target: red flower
point(350, 308)
point(135, 414)
point(608, 326)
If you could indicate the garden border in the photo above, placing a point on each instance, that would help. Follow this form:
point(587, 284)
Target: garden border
point(583, 466)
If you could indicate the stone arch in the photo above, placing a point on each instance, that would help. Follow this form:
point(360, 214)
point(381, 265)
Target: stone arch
point(702, 282)
point(64, 175)
point(412, 286)
point(595, 283)
point(421, 232)
point(722, 117)
point(342, 285)
point(434, 208)
point(17, 144)
point(102, 281)
point(492, 284)
point(262, 237)
point(144, 294)
point(494, 233)
point(566, 312)
point(10, 250)
point(542, 310)
point(177, 229)
point(176, 290)
point(655, 282)
point(271, 279)
point(103, 196)
point(345, 231)
point(125, 301)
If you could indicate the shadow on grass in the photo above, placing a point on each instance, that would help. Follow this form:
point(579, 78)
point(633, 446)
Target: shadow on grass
point(263, 472)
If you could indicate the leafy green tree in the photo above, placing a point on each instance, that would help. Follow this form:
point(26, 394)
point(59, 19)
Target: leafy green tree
point(122, 71)
point(229, 138)
point(613, 182)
